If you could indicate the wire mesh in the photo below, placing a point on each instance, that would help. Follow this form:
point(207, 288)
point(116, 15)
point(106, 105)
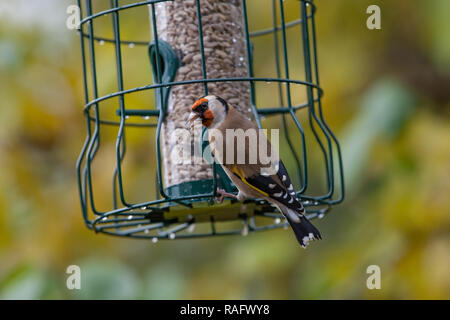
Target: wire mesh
point(173, 212)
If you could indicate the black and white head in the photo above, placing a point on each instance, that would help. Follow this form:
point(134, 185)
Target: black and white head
point(211, 109)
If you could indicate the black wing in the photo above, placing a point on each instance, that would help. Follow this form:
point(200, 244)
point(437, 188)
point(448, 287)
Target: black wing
point(284, 177)
point(272, 189)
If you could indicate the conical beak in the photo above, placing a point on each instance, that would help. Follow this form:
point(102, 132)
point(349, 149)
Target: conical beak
point(192, 117)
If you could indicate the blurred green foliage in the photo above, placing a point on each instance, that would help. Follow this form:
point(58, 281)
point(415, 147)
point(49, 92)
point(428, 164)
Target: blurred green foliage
point(386, 95)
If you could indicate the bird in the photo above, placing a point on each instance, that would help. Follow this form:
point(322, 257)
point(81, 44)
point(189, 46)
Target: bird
point(250, 178)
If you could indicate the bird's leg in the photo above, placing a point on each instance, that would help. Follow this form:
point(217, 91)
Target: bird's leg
point(222, 194)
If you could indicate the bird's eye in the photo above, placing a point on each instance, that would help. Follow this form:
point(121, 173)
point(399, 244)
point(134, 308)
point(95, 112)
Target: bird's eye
point(202, 108)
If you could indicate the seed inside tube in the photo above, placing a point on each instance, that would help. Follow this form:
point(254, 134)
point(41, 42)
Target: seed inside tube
point(225, 56)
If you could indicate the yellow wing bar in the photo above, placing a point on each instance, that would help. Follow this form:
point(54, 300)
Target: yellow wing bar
point(240, 173)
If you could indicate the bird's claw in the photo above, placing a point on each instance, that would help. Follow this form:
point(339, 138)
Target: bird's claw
point(222, 194)
point(219, 199)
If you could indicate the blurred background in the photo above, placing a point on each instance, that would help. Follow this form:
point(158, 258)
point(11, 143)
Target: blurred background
point(387, 98)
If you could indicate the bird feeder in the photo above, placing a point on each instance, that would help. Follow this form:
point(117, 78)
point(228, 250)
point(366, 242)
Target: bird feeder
point(195, 48)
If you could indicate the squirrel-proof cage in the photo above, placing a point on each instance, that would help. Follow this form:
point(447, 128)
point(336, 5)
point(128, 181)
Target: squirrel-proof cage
point(195, 48)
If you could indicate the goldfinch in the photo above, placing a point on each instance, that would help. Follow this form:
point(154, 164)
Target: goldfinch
point(249, 176)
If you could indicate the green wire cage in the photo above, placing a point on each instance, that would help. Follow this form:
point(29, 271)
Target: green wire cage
point(195, 48)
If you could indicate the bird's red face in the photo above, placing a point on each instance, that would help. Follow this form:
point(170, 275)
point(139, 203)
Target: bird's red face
point(200, 109)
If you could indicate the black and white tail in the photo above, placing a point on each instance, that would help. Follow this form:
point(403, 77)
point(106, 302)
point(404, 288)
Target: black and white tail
point(303, 229)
